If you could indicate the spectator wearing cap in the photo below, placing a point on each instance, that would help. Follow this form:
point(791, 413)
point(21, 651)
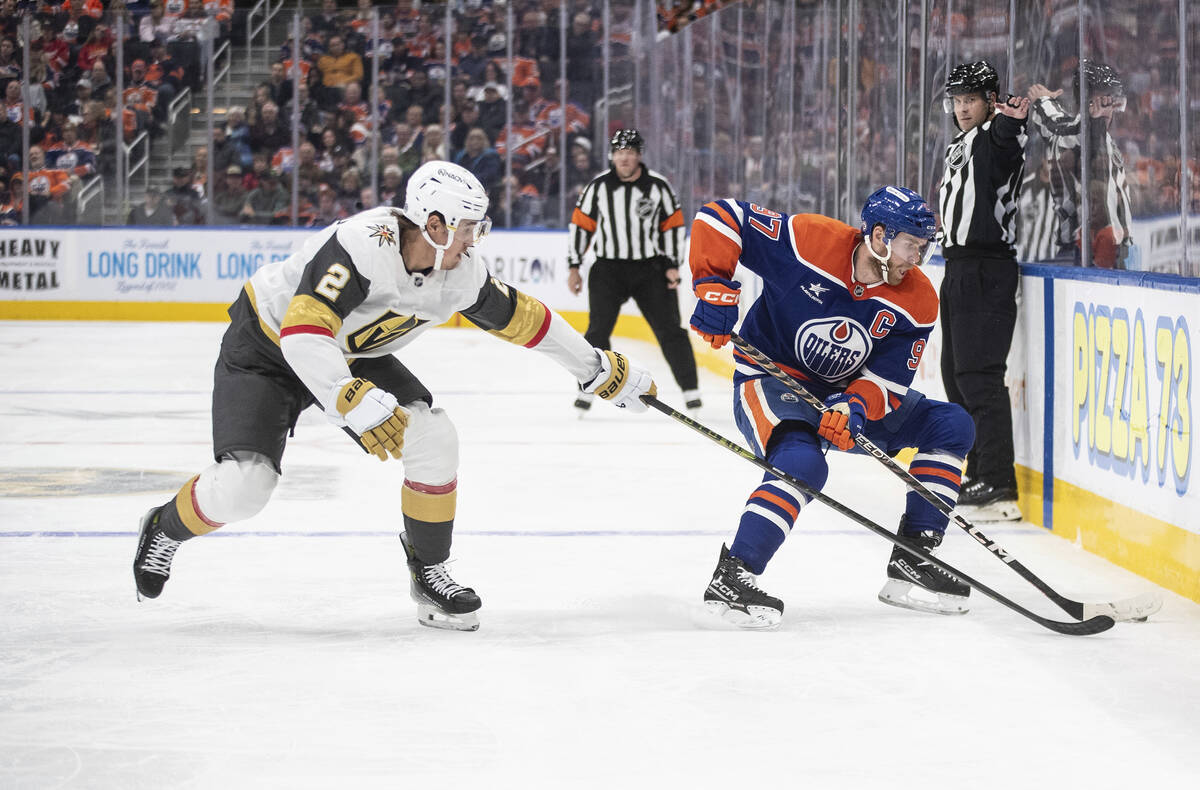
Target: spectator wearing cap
point(338, 65)
point(83, 94)
point(153, 210)
point(230, 195)
point(267, 201)
point(472, 64)
point(184, 201)
point(493, 111)
point(466, 119)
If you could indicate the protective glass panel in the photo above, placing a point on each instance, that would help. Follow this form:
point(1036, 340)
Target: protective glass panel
point(1132, 70)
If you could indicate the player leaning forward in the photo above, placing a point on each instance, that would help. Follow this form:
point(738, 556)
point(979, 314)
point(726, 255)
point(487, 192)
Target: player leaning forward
point(847, 313)
point(321, 327)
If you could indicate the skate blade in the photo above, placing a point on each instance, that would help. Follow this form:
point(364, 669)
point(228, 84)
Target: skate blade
point(992, 513)
point(906, 596)
point(759, 618)
point(433, 617)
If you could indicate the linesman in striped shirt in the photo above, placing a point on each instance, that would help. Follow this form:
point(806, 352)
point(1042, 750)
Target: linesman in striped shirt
point(630, 217)
point(978, 200)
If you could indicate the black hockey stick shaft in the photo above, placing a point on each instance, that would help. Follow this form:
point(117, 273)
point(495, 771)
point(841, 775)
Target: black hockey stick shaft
point(1073, 608)
point(1093, 626)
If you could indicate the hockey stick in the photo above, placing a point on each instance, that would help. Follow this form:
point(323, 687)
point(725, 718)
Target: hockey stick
point(1139, 607)
point(1093, 625)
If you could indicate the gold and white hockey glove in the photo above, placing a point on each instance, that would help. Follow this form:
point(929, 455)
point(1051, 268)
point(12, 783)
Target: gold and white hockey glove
point(372, 413)
point(621, 382)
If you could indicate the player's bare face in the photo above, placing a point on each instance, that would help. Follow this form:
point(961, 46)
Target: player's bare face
point(626, 161)
point(970, 110)
point(908, 252)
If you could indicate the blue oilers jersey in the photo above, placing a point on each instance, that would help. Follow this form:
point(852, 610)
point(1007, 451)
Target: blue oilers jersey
point(813, 318)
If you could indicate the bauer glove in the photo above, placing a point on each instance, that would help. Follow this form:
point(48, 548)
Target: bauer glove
point(716, 310)
point(372, 413)
point(845, 417)
point(620, 382)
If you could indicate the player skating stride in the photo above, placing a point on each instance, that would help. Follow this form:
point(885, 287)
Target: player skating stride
point(320, 327)
point(847, 312)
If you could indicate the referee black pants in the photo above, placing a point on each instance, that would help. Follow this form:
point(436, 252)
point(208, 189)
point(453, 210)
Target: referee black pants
point(612, 283)
point(979, 312)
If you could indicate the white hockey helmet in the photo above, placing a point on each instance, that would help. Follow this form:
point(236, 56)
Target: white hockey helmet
point(451, 191)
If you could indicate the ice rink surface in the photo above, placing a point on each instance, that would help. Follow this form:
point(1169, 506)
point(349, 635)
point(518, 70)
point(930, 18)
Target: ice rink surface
point(285, 651)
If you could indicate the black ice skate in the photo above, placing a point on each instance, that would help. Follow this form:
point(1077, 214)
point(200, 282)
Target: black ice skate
point(734, 596)
point(919, 584)
point(441, 601)
point(984, 502)
point(152, 563)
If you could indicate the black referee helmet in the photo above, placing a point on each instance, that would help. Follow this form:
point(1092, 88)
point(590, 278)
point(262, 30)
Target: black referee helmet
point(627, 138)
point(978, 77)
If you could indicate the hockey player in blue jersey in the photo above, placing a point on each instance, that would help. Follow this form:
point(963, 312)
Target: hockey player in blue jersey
point(847, 312)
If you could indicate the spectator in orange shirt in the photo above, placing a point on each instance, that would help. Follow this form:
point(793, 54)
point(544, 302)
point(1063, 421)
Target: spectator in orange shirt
point(340, 66)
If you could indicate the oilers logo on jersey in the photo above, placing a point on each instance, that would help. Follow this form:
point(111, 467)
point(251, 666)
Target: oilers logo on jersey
point(813, 317)
point(832, 348)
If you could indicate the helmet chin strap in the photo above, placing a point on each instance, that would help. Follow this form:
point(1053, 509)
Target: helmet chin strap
point(883, 262)
point(440, 248)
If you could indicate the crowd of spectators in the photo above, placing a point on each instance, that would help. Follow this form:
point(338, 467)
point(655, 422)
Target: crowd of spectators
point(336, 57)
point(71, 88)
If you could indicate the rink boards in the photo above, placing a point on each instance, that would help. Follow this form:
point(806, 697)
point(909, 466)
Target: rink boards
point(1100, 373)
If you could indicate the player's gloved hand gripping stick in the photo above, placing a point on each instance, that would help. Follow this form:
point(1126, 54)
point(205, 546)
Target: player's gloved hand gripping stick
point(1138, 607)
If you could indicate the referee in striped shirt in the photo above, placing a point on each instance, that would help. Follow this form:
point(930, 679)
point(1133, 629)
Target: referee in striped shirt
point(978, 199)
point(630, 217)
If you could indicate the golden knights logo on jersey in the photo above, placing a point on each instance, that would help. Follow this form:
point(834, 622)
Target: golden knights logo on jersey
point(832, 348)
point(382, 331)
point(382, 232)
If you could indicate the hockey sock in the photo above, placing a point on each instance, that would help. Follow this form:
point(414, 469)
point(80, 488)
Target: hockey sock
point(941, 473)
point(429, 518)
point(772, 508)
point(171, 524)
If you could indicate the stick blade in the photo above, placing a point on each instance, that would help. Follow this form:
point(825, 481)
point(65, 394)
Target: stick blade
point(1095, 625)
point(1137, 608)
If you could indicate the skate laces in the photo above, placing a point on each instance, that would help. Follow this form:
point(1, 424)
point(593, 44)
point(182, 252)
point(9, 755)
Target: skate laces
point(438, 578)
point(159, 555)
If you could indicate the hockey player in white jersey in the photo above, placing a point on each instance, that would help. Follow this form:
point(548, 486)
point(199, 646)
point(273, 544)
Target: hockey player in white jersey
point(321, 327)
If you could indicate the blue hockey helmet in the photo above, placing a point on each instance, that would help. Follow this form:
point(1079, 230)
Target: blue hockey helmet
point(898, 210)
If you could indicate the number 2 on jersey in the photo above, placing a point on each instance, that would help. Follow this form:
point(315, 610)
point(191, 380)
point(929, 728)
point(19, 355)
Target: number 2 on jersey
point(332, 283)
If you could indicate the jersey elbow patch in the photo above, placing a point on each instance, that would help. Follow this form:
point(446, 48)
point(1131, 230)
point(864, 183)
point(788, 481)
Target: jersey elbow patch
point(307, 315)
point(529, 323)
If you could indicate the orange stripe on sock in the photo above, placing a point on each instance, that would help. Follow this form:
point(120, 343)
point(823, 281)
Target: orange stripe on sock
point(935, 472)
point(787, 506)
